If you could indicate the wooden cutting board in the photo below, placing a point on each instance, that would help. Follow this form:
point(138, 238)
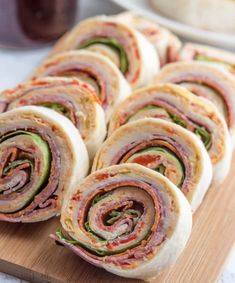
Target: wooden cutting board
point(27, 252)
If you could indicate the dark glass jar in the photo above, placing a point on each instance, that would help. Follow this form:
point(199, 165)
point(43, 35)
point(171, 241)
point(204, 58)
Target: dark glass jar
point(31, 23)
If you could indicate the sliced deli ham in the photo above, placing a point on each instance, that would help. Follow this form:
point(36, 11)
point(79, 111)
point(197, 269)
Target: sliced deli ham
point(205, 80)
point(164, 147)
point(98, 71)
point(133, 54)
point(127, 219)
point(42, 157)
point(176, 104)
point(70, 97)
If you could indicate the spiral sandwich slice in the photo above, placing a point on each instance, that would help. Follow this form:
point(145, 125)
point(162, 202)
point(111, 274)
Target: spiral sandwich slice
point(126, 219)
point(166, 43)
point(42, 157)
point(70, 97)
point(204, 80)
point(127, 48)
point(176, 104)
point(164, 147)
point(99, 72)
point(209, 54)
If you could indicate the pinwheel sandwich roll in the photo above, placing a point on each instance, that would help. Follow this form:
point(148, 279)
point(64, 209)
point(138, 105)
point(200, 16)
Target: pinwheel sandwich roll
point(176, 104)
point(208, 54)
point(133, 54)
point(205, 80)
point(95, 69)
point(127, 219)
point(164, 147)
point(42, 157)
point(72, 98)
point(166, 43)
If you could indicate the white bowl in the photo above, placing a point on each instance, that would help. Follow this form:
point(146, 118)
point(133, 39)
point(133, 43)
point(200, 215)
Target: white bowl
point(214, 15)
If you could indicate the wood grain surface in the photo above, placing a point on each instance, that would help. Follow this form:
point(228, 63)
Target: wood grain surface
point(27, 252)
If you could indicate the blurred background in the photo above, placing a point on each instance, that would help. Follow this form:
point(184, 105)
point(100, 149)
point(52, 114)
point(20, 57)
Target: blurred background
point(32, 23)
point(31, 51)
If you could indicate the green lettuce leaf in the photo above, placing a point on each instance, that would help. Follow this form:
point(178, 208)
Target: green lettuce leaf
point(115, 45)
point(46, 155)
point(205, 136)
point(57, 107)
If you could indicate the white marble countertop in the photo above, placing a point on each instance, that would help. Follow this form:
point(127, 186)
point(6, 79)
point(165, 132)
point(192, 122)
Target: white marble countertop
point(17, 65)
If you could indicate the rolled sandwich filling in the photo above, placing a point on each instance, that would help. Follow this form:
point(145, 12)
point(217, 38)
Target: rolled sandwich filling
point(204, 58)
point(166, 44)
point(127, 48)
point(94, 69)
point(38, 160)
point(114, 47)
point(163, 147)
point(208, 54)
point(70, 97)
point(159, 158)
point(207, 81)
point(117, 225)
point(176, 104)
point(25, 168)
point(120, 218)
point(163, 110)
